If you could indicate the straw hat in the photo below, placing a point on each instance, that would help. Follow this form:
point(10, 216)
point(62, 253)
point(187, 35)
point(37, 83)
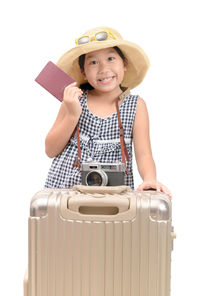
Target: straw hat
point(138, 62)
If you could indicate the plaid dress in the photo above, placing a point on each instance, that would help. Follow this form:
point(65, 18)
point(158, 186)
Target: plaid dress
point(99, 140)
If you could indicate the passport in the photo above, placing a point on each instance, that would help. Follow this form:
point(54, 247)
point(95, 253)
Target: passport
point(54, 80)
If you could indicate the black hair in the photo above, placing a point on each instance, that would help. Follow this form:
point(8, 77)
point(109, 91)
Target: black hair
point(81, 61)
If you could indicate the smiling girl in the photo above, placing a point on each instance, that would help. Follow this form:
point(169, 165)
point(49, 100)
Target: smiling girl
point(105, 68)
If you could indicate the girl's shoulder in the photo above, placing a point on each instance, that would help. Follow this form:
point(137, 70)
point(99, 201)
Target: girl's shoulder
point(136, 99)
point(130, 100)
point(142, 117)
point(141, 103)
point(136, 105)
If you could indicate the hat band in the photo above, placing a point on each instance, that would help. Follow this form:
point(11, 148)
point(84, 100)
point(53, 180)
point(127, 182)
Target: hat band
point(99, 36)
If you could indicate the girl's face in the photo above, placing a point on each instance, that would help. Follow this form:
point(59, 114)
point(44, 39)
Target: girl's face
point(104, 69)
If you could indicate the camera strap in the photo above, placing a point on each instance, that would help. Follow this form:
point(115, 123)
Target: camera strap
point(77, 161)
point(124, 152)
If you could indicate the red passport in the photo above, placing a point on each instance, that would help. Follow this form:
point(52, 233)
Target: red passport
point(54, 80)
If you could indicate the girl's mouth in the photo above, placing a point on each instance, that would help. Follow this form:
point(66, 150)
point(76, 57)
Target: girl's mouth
point(106, 80)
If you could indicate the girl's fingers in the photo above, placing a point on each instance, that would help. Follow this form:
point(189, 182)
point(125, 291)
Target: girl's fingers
point(71, 88)
point(144, 186)
point(165, 190)
point(139, 188)
point(71, 85)
point(73, 93)
point(76, 93)
point(158, 186)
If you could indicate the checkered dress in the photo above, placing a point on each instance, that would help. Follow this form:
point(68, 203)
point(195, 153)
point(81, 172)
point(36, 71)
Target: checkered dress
point(100, 141)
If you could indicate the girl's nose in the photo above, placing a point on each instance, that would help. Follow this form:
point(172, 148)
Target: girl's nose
point(103, 66)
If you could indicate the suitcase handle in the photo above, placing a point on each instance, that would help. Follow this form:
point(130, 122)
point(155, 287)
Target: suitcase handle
point(102, 189)
point(91, 205)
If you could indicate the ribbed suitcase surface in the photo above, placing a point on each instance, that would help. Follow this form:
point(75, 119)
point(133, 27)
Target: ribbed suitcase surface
point(85, 244)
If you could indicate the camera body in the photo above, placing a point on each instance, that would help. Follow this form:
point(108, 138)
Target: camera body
point(102, 174)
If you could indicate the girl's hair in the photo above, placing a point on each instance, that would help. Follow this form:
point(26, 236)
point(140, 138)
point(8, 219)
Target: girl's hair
point(81, 61)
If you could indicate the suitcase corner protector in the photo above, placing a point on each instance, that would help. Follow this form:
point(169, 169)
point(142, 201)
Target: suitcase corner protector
point(160, 208)
point(39, 204)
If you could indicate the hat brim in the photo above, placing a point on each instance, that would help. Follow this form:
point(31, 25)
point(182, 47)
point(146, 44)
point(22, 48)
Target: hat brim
point(138, 62)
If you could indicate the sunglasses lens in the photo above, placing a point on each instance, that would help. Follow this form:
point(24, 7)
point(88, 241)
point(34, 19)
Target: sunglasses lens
point(101, 36)
point(83, 40)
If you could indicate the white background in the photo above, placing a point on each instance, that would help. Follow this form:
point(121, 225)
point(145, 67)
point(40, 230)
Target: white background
point(34, 32)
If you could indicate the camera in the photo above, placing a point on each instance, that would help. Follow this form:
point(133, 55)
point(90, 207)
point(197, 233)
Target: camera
point(102, 174)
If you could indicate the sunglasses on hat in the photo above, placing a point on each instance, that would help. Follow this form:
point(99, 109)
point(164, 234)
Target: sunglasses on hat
point(99, 36)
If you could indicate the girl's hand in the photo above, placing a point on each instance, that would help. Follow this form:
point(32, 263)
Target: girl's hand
point(71, 99)
point(154, 185)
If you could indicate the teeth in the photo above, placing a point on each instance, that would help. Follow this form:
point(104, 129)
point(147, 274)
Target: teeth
point(106, 79)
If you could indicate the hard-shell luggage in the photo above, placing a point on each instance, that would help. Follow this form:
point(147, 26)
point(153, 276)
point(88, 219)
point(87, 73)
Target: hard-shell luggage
point(102, 241)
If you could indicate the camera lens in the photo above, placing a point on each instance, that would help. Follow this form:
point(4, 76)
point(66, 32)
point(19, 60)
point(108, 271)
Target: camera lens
point(96, 178)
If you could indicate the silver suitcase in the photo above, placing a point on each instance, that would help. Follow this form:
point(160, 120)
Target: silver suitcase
point(99, 241)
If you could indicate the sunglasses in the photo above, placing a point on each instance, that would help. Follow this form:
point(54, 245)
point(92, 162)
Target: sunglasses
point(100, 36)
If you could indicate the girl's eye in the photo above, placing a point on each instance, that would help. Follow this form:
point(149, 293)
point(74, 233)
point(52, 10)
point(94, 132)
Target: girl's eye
point(93, 62)
point(111, 58)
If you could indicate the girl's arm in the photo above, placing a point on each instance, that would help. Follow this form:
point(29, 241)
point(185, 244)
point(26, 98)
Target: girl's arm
point(143, 152)
point(142, 146)
point(65, 123)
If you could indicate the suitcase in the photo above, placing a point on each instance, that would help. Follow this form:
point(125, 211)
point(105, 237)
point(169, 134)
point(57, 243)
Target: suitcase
point(99, 241)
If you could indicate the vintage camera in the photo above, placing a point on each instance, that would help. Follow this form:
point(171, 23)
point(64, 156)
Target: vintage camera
point(102, 174)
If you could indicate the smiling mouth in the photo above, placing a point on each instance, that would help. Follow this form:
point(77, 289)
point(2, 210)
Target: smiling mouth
point(107, 79)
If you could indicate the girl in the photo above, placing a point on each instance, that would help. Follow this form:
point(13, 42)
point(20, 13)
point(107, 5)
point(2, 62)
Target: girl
point(105, 68)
